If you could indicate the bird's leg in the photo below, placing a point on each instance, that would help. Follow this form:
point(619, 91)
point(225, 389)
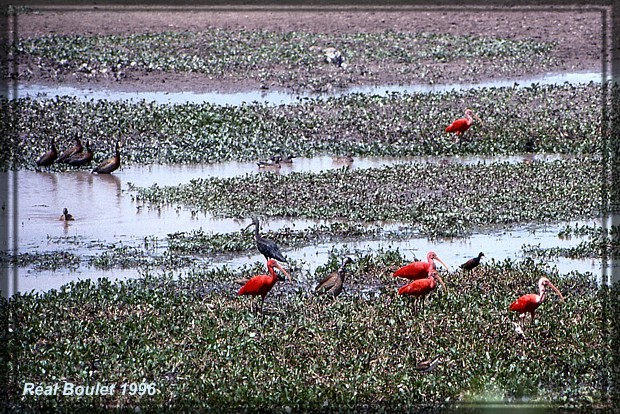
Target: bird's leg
point(522, 316)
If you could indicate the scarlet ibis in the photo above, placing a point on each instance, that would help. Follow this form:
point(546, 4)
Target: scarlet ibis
point(419, 270)
point(472, 263)
point(75, 149)
point(261, 285)
point(273, 164)
point(48, 158)
point(530, 302)
point(419, 288)
point(428, 365)
point(461, 125)
point(332, 283)
point(65, 215)
point(111, 164)
point(267, 247)
point(81, 158)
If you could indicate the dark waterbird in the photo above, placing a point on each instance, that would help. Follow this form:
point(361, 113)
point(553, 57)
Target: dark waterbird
point(69, 152)
point(428, 365)
point(260, 285)
point(332, 283)
point(48, 158)
point(267, 247)
point(111, 164)
point(472, 263)
point(81, 158)
point(273, 164)
point(65, 215)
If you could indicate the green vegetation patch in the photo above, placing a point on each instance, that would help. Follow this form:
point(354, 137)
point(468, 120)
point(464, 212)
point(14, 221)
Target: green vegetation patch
point(601, 243)
point(204, 349)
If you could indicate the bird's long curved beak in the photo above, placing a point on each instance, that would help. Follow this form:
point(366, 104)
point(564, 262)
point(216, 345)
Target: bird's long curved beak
point(441, 281)
point(444, 265)
point(478, 118)
point(556, 291)
point(283, 271)
point(248, 226)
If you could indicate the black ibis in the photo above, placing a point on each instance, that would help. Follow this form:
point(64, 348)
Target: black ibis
point(111, 164)
point(472, 263)
point(332, 283)
point(267, 247)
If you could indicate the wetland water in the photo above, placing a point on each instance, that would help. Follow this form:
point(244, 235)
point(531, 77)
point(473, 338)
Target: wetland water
point(106, 214)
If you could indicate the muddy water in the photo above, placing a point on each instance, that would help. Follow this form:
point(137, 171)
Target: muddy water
point(281, 98)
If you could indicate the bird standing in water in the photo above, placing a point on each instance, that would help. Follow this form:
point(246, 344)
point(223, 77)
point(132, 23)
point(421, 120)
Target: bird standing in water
point(267, 247)
point(333, 282)
point(260, 285)
point(81, 158)
point(47, 159)
point(68, 153)
point(111, 164)
point(65, 215)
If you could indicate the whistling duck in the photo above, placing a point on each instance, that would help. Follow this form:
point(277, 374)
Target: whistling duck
point(81, 158)
point(48, 158)
point(65, 215)
point(111, 164)
point(332, 283)
point(68, 153)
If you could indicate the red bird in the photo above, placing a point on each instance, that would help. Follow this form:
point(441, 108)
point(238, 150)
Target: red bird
point(422, 287)
point(531, 302)
point(461, 125)
point(262, 284)
point(419, 270)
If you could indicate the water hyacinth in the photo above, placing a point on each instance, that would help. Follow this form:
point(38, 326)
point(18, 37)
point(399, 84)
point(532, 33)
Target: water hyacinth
point(204, 346)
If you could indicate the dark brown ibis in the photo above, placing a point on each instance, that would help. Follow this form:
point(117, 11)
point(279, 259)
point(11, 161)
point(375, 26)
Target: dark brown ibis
point(267, 247)
point(260, 285)
point(47, 159)
point(69, 152)
point(333, 282)
point(530, 302)
point(472, 263)
point(81, 158)
point(111, 164)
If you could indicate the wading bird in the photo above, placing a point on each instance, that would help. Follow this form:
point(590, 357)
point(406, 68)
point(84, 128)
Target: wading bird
point(421, 287)
point(472, 263)
point(261, 285)
point(332, 283)
point(419, 270)
point(65, 215)
point(428, 365)
point(69, 152)
point(81, 158)
point(530, 302)
point(267, 247)
point(48, 158)
point(461, 125)
point(111, 164)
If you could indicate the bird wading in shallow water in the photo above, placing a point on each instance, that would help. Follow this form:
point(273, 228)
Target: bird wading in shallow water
point(111, 164)
point(472, 263)
point(530, 302)
point(419, 288)
point(419, 270)
point(268, 248)
point(332, 284)
point(461, 125)
point(69, 152)
point(261, 285)
point(47, 159)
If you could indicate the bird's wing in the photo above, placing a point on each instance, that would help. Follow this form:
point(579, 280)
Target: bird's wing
point(328, 282)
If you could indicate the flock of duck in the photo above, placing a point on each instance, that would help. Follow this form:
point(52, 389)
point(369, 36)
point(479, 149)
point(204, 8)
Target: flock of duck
point(78, 156)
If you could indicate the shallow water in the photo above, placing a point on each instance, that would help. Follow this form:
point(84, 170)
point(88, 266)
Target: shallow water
point(282, 98)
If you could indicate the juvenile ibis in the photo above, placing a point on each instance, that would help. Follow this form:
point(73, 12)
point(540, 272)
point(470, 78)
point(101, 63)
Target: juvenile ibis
point(261, 285)
point(530, 302)
point(461, 125)
point(65, 215)
point(332, 283)
point(428, 365)
point(268, 248)
point(69, 152)
point(111, 164)
point(48, 158)
point(419, 288)
point(419, 270)
point(81, 158)
point(472, 263)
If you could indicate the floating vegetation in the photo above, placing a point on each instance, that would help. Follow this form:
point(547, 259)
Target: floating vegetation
point(202, 348)
point(42, 261)
point(262, 55)
point(603, 243)
point(437, 200)
point(540, 119)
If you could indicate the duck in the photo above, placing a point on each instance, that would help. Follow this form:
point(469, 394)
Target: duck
point(81, 158)
point(69, 152)
point(47, 159)
point(65, 215)
point(273, 164)
point(111, 164)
